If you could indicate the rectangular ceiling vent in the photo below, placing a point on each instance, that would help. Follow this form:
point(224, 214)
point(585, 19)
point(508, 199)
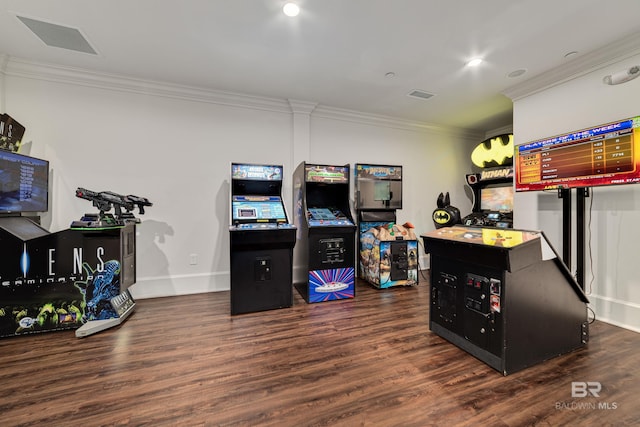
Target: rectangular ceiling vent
point(417, 93)
point(58, 35)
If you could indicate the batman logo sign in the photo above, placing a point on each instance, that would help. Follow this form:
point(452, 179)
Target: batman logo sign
point(496, 151)
point(441, 216)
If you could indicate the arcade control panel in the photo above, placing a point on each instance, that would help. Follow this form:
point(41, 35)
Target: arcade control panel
point(262, 226)
point(489, 219)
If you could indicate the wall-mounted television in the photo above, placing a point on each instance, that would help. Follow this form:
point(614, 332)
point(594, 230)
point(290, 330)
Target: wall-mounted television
point(24, 183)
point(608, 154)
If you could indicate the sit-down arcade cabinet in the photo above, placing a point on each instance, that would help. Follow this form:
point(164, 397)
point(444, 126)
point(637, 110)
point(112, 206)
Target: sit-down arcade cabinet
point(504, 296)
point(388, 254)
point(492, 198)
point(326, 232)
point(261, 240)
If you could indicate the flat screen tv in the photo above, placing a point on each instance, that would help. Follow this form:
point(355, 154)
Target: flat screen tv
point(24, 183)
point(498, 198)
point(608, 154)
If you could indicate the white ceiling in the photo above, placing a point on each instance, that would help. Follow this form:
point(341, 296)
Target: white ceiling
point(336, 52)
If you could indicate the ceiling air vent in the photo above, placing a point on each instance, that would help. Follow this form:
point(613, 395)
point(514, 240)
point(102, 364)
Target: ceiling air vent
point(417, 93)
point(58, 36)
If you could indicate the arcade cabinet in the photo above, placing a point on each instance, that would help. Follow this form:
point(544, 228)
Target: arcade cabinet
point(261, 240)
point(326, 232)
point(492, 198)
point(504, 296)
point(62, 280)
point(388, 253)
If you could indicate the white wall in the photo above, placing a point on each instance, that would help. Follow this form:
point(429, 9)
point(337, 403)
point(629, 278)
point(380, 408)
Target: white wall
point(432, 161)
point(611, 278)
point(174, 145)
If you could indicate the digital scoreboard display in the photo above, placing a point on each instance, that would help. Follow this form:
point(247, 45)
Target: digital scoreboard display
point(604, 155)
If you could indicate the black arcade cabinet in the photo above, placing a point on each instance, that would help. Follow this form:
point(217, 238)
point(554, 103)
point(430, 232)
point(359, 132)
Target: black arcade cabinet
point(504, 296)
point(261, 239)
point(326, 232)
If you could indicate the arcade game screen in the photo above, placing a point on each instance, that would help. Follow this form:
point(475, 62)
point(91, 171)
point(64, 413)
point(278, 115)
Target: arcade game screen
point(323, 213)
point(258, 209)
point(24, 183)
point(327, 216)
point(378, 187)
point(497, 198)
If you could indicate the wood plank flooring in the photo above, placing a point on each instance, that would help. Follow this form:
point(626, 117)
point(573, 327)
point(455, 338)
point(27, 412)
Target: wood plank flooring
point(368, 361)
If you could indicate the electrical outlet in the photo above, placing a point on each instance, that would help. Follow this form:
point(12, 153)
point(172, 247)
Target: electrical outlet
point(193, 259)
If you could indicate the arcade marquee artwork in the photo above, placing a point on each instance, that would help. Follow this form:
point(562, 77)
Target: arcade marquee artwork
point(11, 133)
point(56, 281)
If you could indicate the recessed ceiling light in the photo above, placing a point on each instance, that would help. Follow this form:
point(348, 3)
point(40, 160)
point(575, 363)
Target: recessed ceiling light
point(571, 54)
point(474, 62)
point(390, 75)
point(291, 9)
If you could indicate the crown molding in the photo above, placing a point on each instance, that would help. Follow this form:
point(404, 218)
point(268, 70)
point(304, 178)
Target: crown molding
point(19, 67)
point(62, 74)
point(499, 131)
point(612, 53)
point(341, 114)
point(302, 107)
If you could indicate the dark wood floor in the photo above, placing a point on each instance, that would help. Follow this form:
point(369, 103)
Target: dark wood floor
point(369, 361)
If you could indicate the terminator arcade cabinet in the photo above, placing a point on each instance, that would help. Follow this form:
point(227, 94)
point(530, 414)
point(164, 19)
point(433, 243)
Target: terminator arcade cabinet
point(326, 232)
point(383, 261)
point(261, 240)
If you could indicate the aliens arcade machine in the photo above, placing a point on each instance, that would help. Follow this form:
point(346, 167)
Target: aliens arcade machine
point(388, 252)
point(492, 188)
point(326, 232)
point(261, 240)
point(77, 278)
